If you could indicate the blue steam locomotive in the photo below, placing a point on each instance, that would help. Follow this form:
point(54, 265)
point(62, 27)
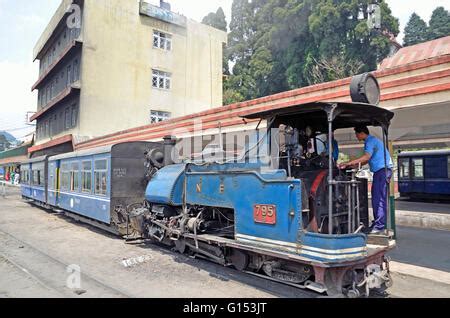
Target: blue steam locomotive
point(281, 209)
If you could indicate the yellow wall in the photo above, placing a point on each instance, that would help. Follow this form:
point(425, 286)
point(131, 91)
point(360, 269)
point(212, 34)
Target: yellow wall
point(117, 61)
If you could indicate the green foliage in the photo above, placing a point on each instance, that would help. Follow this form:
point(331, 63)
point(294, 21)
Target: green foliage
point(276, 45)
point(439, 24)
point(216, 20)
point(416, 31)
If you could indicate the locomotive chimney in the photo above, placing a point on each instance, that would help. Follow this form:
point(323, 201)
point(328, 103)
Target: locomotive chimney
point(169, 144)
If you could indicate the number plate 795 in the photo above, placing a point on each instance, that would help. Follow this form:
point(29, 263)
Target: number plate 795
point(265, 213)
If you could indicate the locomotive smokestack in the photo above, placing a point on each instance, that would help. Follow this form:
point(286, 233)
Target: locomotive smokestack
point(169, 144)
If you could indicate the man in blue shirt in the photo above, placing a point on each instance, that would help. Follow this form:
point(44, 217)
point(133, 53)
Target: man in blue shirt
point(374, 155)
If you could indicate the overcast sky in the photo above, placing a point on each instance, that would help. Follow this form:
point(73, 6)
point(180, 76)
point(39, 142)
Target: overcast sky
point(22, 22)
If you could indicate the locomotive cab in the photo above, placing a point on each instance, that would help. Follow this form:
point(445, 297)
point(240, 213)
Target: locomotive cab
point(298, 141)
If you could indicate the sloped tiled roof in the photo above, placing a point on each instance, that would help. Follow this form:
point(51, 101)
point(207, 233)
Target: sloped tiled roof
point(418, 52)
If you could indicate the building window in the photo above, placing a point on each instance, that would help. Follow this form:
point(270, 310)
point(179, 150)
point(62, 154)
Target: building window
point(69, 75)
point(47, 128)
point(404, 168)
point(161, 80)
point(162, 41)
point(64, 177)
point(74, 116)
point(101, 175)
point(67, 118)
point(157, 116)
point(76, 69)
point(61, 122)
point(74, 172)
point(417, 168)
point(86, 177)
point(55, 125)
point(49, 97)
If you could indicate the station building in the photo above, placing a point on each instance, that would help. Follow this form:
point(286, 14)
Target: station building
point(111, 65)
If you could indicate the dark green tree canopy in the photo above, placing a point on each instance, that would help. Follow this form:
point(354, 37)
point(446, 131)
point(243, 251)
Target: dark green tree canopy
point(276, 45)
point(416, 31)
point(216, 20)
point(439, 24)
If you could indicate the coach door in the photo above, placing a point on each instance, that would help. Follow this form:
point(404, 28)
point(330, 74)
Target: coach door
point(52, 183)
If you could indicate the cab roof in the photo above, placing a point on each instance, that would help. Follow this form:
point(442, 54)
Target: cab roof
point(344, 115)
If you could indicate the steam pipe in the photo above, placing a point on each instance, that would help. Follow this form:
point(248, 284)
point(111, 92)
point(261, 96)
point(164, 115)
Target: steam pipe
point(388, 194)
point(330, 173)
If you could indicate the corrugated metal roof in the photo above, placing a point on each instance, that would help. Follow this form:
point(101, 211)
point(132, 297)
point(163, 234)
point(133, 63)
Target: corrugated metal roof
point(37, 159)
point(15, 152)
point(418, 52)
point(83, 153)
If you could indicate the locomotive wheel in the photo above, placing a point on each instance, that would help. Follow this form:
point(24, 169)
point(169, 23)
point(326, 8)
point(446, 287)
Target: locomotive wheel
point(239, 259)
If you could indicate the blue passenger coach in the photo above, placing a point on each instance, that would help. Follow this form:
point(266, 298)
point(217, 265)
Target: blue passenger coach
point(34, 176)
point(424, 174)
point(80, 183)
point(95, 186)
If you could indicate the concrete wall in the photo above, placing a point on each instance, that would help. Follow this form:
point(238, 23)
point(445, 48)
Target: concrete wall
point(117, 61)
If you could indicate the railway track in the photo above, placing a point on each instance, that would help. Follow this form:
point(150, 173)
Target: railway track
point(50, 273)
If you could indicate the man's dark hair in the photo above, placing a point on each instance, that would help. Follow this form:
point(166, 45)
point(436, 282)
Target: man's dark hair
point(362, 129)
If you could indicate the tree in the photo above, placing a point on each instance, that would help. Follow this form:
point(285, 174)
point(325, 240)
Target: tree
point(239, 52)
point(342, 30)
point(416, 31)
point(277, 45)
point(216, 20)
point(439, 24)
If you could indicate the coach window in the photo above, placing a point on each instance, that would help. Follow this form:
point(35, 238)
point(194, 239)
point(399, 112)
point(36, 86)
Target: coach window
point(101, 175)
point(86, 177)
point(41, 177)
point(26, 176)
point(33, 177)
point(417, 168)
point(22, 177)
point(64, 177)
point(74, 173)
point(404, 168)
point(36, 174)
point(448, 167)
